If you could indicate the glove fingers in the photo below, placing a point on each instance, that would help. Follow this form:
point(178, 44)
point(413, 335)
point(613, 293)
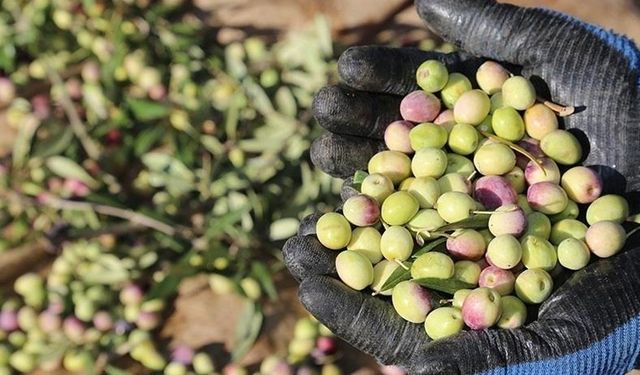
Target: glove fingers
point(341, 156)
point(368, 323)
point(393, 70)
point(345, 111)
point(485, 28)
point(305, 256)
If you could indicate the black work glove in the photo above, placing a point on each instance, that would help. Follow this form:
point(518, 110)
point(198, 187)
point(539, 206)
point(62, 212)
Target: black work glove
point(589, 325)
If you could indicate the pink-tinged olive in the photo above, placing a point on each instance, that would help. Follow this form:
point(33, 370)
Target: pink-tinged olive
point(562, 146)
point(467, 271)
point(573, 254)
point(467, 244)
point(432, 76)
point(582, 184)
point(399, 208)
point(497, 102)
point(148, 320)
point(445, 117)
point(182, 354)
point(327, 345)
point(504, 252)
point(354, 269)
point(606, 238)
point(103, 321)
point(508, 124)
point(494, 192)
point(472, 107)
point(508, 219)
point(131, 294)
point(534, 286)
point(420, 106)
point(491, 76)
point(517, 180)
point(463, 139)
point(428, 135)
point(429, 162)
point(502, 281)
point(393, 164)
point(333, 231)
point(459, 296)
point(366, 241)
point(459, 164)
point(377, 186)
point(426, 219)
point(571, 212)
point(396, 243)
point(361, 210)
point(567, 228)
point(518, 93)
point(411, 301)
point(539, 225)
point(548, 173)
point(432, 265)
point(8, 320)
point(481, 308)
point(454, 182)
point(457, 85)
point(73, 328)
point(608, 208)
point(494, 159)
point(396, 136)
point(547, 197)
point(443, 322)
point(533, 147)
point(454, 206)
point(538, 253)
point(514, 313)
point(381, 273)
point(539, 121)
point(426, 190)
point(7, 91)
point(49, 321)
point(233, 369)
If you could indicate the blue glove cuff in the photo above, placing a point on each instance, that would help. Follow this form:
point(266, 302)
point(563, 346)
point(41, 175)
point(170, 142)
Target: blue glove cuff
point(615, 354)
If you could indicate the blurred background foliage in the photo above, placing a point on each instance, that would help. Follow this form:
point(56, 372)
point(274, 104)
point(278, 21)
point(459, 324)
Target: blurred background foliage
point(144, 145)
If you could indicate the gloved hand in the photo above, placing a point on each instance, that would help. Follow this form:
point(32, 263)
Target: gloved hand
point(591, 324)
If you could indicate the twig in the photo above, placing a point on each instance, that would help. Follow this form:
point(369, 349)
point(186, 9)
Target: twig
point(90, 147)
point(562, 111)
point(128, 215)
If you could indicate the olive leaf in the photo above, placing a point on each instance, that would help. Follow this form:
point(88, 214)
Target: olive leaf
point(448, 286)
point(399, 275)
point(440, 242)
point(473, 222)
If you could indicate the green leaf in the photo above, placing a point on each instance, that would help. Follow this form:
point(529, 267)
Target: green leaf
point(359, 177)
point(474, 222)
point(430, 246)
point(68, 168)
point(22, 144)
point(110, 370)
point(397, 276)
point(448, 286)
point(146, 110)
point(247, 331)
point(260, 271)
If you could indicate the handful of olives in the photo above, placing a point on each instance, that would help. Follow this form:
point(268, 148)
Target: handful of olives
point(475, 205)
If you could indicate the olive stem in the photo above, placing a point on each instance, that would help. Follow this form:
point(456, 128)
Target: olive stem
point(514, 147)
point(484, 212)
point(562, 111)
point(471, 176)
point(401, 264)
point(632, 232)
